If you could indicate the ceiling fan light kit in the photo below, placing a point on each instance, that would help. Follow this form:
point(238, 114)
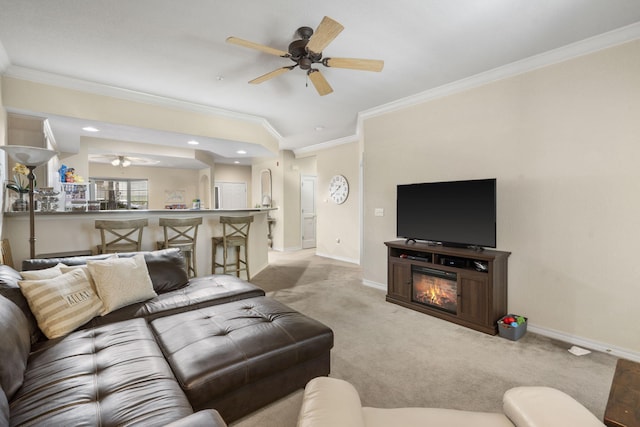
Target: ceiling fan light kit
point(121, 161)
point(307, 51)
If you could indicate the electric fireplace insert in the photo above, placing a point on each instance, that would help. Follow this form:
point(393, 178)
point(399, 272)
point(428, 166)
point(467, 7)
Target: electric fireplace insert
point(435, 288)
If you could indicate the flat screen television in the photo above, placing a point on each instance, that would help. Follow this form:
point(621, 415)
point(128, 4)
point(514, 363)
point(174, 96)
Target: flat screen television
point(453, 213)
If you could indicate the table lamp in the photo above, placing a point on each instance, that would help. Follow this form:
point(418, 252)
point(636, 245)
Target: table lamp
point(31, 157)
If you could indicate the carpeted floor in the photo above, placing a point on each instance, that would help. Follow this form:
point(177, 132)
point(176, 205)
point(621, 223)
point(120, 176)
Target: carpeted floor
point(396, 357)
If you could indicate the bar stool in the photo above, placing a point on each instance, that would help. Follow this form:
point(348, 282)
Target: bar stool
point(181, 233)
point(122, 235)
point(235, 233)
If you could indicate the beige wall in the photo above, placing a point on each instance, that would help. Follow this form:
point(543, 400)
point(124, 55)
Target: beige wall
point(235, 173)
point(274, 165)
point(193, 182)
point(160, 180)
point(206, 178)
point(46, 99)
point(293, 169)
point(286, 173)
point(564, 143)
point(338, 230)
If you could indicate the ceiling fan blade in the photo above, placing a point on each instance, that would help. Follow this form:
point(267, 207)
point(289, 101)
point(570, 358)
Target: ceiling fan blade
point(257, 46)
point(272, 74)
point(355, 63)
point(320, 83)
point(324, 34)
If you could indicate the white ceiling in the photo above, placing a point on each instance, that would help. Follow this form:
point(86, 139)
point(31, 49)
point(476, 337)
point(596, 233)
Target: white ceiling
point(177, 50)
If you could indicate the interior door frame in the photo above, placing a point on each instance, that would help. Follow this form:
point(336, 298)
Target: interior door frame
point(314, 178)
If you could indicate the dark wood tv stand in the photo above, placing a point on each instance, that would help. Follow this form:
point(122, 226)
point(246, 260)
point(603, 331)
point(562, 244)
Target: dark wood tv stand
point(481, 292)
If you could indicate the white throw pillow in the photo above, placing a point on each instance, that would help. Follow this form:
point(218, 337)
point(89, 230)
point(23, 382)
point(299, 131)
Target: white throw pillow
point(46, 273)
point(121, 281)
point(63, 303)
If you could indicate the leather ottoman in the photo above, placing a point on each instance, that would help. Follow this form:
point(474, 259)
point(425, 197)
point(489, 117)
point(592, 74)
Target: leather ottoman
point(240, 356)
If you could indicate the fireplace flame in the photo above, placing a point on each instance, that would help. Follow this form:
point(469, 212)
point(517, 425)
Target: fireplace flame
point(436, 291)
point(432, 294)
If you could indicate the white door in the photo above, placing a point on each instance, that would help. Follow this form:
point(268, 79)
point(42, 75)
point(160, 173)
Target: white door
point(231, 195)
point(308, 206)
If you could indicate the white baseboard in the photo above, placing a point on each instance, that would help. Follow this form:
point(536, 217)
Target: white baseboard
point(283, 249)
point(337, 258)
point(585, 343)
point(376, 285)
point(558, 335)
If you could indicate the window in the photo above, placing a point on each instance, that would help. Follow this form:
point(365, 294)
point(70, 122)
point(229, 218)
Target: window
point(120, 193)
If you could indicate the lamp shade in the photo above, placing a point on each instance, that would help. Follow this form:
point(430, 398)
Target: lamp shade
point(29, 156)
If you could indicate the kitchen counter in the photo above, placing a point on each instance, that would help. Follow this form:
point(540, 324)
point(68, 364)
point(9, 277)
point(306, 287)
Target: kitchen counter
point(75, 231)
point(149, 211)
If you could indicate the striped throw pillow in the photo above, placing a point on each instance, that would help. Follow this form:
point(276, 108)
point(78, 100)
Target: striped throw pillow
point(63, 303)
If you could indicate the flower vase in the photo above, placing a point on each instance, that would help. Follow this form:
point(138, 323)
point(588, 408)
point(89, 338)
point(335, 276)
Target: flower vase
point(20, 204)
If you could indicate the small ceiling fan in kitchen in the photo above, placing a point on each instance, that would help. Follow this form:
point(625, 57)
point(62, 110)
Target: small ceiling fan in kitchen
point(306, 53)
point(120, 160)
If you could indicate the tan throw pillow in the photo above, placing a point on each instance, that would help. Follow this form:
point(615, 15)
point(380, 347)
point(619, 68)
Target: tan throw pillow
point(121, 281)
point(46, 273)
point(65, 269)
point(63, 303)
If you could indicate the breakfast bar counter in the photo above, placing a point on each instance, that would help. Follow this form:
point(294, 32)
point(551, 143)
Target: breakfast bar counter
point(75, 231)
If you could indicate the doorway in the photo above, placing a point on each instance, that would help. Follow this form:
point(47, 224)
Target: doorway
point(230, 195)
point(308, 210)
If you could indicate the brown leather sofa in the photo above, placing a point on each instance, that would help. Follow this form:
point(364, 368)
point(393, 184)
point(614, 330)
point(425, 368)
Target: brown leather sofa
point(213, 344)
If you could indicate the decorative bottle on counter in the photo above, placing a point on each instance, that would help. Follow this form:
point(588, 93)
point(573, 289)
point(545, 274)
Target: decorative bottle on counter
point(20, 204)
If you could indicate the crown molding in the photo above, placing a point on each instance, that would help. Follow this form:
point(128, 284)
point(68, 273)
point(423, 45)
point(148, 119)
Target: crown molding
point(325, 145)
point(43, 77)
point(555, 56)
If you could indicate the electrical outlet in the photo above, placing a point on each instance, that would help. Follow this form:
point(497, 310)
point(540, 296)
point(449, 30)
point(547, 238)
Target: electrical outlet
point(378, 212)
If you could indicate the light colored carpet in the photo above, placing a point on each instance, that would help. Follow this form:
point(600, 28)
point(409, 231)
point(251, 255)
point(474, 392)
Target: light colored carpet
point(396, 357)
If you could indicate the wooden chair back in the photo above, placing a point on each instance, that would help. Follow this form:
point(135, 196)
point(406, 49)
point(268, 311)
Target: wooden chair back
point(180, 231)
point(5, 255)
point(235, 229)
point(120, 235)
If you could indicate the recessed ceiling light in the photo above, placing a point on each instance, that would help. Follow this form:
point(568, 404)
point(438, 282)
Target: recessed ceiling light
point(241, 152)
point(236, 162)
point(193, 142)
point(319, 128)
point(90, 129)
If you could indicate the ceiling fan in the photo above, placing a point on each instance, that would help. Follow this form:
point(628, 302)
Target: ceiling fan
point(121, 161)
point(307, 51)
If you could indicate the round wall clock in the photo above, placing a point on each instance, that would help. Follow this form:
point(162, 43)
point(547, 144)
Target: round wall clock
point(339, 189)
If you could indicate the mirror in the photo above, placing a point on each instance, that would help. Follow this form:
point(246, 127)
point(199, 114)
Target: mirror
point(265, 188)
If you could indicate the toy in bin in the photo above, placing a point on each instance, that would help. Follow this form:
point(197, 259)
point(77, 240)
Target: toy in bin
point(512, 327)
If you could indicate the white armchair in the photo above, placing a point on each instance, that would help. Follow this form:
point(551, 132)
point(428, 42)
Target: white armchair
point(330, 402)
